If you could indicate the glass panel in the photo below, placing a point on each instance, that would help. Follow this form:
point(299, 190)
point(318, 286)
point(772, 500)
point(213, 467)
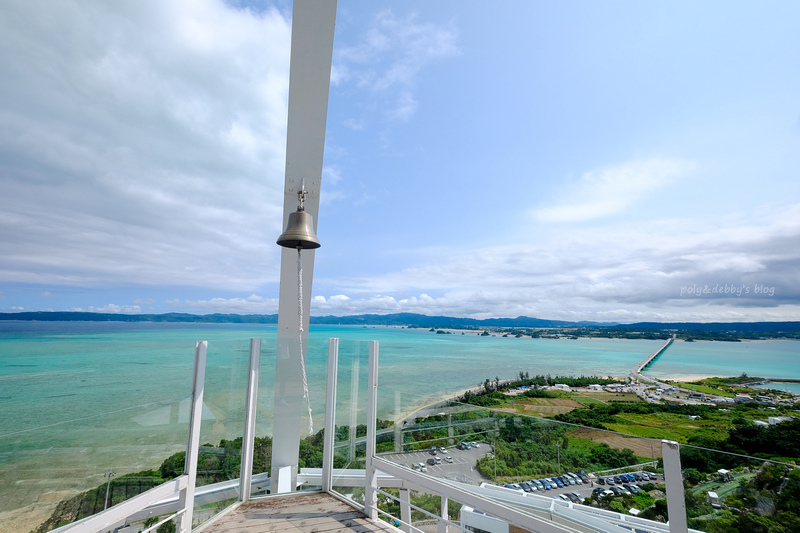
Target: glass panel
point(72, 411)
point(538, 458)
point(41, 467)
point(262, 450)
point(222, 423)
point(351, 420)
point(726, 492)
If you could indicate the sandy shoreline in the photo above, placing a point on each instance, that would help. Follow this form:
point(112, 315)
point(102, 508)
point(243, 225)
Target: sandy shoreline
point(687, 379)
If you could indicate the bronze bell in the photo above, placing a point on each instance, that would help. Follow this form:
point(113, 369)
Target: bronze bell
point(299, 231)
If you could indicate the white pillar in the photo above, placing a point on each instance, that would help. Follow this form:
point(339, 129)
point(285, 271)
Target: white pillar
point(309, 83)
point(673, 479)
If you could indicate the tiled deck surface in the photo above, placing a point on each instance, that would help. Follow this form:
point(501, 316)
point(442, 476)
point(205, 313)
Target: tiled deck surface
point(307, 513)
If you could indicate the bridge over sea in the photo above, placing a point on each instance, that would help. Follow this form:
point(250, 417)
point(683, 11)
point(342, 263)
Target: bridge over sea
point(636, 373)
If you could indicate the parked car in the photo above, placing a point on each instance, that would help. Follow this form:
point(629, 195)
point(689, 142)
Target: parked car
point(637, 477)
point(610, 481)
point(438, 460)
point(601, 481)
point(598, 490)
point(583, 476)
point(573, 498)
point(545, 484)
point(632, 488)
point(448, 459)
point(526, 486)
point(645, 477)
point(579, 497)
point(431, 461)
point(564, 497)
point(538, 484)
point(558, 482)
point(442, 450)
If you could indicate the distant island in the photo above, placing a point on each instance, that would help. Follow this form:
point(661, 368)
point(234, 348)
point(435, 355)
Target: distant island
point(519, 326)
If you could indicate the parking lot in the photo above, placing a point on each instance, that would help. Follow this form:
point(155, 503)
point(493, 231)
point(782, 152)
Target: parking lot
point(461, 469)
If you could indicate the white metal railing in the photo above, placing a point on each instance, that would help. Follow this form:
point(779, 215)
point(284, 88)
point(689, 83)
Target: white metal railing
point(180, 489)
point(527, 511)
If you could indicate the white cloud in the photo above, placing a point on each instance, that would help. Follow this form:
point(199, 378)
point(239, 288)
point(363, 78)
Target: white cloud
point(141, 143)
point(388, 58)
point(252, 304)
point(115, 309)
point(610, 191)
point(635, 272)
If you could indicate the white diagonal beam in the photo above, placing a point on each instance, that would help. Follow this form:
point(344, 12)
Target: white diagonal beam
point(309, 83)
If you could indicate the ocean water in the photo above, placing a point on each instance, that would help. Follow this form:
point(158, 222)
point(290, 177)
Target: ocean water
point(51, 372)
point(767, 359)
point(80, 398)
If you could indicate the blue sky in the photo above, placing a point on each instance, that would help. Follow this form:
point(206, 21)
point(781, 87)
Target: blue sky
point(613, 161)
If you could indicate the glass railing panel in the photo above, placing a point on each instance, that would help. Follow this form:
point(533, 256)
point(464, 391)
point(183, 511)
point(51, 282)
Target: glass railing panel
point(724, 491)
point(41, 468)
point(120, 407)
point(543, 458)
point(222, 422)
point(262, 447)
point(348, 478)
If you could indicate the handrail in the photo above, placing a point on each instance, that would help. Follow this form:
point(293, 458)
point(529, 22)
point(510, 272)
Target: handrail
point(118, 515)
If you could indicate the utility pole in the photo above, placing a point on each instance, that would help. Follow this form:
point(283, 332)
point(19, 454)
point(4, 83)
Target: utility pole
point(558, 451)
point(108, 486)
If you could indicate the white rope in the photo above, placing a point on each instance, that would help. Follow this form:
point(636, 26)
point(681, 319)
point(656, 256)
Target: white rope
point(300, 339)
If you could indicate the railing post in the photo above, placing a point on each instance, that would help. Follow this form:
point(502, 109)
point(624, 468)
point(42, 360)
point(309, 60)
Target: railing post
point(441, 525)
point(370, 494)
point(186, 498)
point(248, 438)
point(404, 495)
point(398, 427)
point(673, 479)
point(355, 370)
point(330, 414)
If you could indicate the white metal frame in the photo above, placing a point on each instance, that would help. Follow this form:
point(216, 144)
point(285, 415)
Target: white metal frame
point(248, 438)
point(330, 414)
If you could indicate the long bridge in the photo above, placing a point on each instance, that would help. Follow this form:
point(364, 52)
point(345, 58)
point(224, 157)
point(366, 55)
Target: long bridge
point(636, 373)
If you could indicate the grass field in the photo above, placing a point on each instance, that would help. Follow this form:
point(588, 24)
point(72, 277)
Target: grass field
point(564, 402)
point(670, 426)
point(704, 389)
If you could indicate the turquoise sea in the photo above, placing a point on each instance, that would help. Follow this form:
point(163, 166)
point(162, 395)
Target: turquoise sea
point(56, 371)
point(80, 398)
